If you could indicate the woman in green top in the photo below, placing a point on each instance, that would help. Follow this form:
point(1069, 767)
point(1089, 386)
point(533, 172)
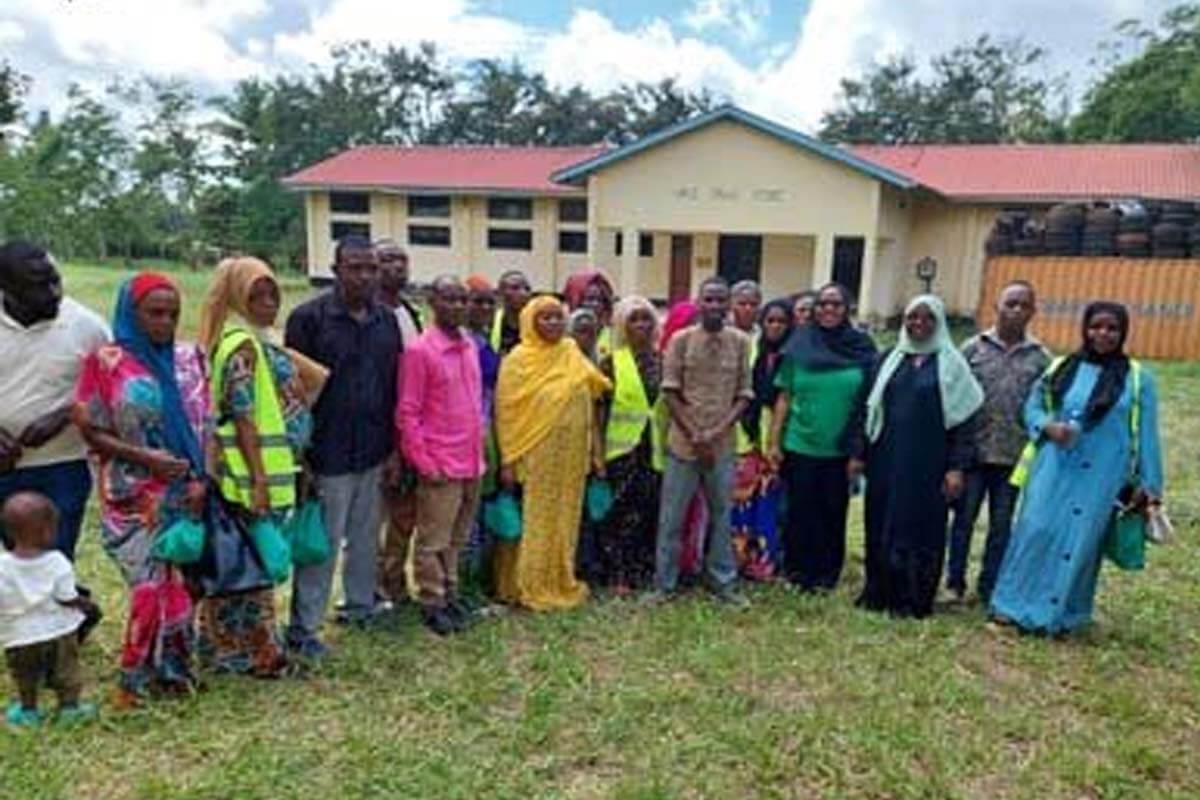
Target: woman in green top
point(824, 368)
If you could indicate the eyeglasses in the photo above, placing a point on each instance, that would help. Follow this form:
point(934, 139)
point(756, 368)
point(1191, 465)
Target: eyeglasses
point(830, 304)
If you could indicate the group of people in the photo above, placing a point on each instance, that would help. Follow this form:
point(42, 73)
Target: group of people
point(488, 442)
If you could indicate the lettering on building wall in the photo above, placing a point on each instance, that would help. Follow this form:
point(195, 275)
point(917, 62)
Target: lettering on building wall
point(725, 194)
point(1073, 307)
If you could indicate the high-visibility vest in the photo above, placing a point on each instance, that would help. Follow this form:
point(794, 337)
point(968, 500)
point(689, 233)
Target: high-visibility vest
point(233, 473)
point(743, 443)
point(604, 342)
point(631, 413)
point(497, 330)
point(1020, 473)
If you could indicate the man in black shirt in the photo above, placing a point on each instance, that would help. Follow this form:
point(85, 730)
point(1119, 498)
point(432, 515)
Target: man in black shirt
point(358, 339)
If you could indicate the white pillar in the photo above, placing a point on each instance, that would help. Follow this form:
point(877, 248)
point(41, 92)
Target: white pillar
point(822, 272)
point(630, 277)
point(867, 306)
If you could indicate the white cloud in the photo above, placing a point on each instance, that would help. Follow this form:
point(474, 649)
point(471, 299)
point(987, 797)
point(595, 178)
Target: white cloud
point(743, 17)
point(218, 41)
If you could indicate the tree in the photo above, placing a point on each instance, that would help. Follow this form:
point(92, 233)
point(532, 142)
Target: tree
point(1152, 95)
point(985, 91)
point(13, 86)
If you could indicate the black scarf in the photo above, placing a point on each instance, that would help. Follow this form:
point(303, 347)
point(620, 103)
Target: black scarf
point(1114, 367)
point(815, 348)
point(766, 364)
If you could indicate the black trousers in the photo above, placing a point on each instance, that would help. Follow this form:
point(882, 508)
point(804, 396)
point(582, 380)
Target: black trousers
point(814, 533)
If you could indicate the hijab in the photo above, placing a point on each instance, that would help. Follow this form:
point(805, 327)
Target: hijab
point(577, 318)
point(537, 379)
point(813, 347)
point(622, 311)
point(766, 364)
point(681, 315)
point(229, 296)
point(1114, 366)
point(960, 392)
point(578, 283)
point(159, 359)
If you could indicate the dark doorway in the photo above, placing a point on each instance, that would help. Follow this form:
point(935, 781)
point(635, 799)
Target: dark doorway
point(680, 286)
point(739, 258)
point(847, 262)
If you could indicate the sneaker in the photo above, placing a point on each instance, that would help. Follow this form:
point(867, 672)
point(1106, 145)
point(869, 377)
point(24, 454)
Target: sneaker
point(18, 716)
point(309, 648)
point(439, 621)
point(657, 597)
point(77, 714)
point(731, 597)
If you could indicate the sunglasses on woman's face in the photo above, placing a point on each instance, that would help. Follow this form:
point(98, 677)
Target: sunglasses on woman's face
point(831, 303)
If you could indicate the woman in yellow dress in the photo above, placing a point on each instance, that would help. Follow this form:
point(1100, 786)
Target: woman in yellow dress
point(549, 441)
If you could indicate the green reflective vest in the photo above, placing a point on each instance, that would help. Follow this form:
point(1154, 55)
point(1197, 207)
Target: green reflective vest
point(233, 473)
point(631, 413)
point(743, 443)
point(1020, 473)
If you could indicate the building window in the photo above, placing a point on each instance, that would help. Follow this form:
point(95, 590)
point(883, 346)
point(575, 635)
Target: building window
point(572, 242)
point(509, 239)
point(429, 235)
point(645, 245)
point(340, 230)
point(429, 205)
point(573, 210)
point(350, 202)
point(510, 208)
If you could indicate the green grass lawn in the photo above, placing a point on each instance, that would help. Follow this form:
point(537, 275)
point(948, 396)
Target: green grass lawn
point(794, 698)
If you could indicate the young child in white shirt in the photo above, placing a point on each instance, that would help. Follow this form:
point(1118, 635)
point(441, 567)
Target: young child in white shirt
point(40, 613)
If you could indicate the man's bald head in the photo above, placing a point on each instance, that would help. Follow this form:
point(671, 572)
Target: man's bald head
point(29, 520)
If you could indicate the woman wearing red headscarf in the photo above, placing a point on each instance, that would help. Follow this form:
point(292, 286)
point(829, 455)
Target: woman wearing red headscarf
point(142, 404)
point(593, 289)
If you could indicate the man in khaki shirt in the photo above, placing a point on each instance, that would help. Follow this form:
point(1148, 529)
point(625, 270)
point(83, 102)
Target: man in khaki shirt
point(706, 383)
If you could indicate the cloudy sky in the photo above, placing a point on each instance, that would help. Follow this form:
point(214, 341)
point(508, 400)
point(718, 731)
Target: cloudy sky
point(781, 58)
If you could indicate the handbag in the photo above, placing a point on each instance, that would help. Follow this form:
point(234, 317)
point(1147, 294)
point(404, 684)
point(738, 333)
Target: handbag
point(306, 534)
point(1125, 539)
point(181, 542)
point(502, 516)
point(599, 499)
point(272, 548)
point(230, 563)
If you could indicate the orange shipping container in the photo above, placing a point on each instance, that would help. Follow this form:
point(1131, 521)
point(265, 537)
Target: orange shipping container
point(1163, 298)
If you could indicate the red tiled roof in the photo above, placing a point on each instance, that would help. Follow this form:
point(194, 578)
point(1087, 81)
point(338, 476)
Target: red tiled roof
point(1046, 172)
point(450, 168)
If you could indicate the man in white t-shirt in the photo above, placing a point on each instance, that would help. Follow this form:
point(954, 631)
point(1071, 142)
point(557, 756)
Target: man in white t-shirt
point(43, 339)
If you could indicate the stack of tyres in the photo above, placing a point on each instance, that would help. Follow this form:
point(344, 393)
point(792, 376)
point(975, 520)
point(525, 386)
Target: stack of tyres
point(1028, 240)
point(1194, 240)
point(1133, 232)
point(1100, 232)
point(1064, 230)
point(1170, 237)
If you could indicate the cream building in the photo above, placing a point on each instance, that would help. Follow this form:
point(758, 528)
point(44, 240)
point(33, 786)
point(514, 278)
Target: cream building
point(726, 193)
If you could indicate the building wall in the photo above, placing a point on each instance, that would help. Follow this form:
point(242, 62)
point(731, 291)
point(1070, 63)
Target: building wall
point(468, 251)
point(954, 235)
point(786, 265)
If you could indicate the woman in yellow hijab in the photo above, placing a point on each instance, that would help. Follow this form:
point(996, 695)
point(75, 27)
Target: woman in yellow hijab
point(549, 441)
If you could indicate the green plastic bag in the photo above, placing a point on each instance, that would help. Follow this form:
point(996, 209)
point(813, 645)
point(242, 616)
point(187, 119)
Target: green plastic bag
point(502, 517)
point(305, 532)
point(181, 543)
point(273, 549)
point(599, 499)
point(1125, 540)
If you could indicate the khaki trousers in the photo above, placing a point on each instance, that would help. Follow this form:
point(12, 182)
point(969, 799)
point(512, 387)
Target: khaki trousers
point(445, 514)
point(397, 540)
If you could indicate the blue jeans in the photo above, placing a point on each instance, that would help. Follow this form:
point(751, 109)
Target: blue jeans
point(990, 480)
point(680, 480)
point(67, 484)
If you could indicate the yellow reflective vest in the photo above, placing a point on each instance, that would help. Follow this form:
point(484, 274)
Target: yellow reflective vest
point(233, 472)
point(631, 412)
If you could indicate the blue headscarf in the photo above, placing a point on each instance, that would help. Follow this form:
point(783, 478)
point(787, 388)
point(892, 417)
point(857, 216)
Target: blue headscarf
point(179, 436)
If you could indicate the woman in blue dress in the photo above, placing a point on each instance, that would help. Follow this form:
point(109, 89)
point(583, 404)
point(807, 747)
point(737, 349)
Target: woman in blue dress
point(1081, 415)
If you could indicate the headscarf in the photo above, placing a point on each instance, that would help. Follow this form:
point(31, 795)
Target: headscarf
point(578, 283)
point(478, 283)
point(681, 315)
point(232, 283)
point(960, 392)
point(622, 311)
point(1114, 366)
point(178, 435)
point(575, 319)
point(766, 364)
point(815, 348)
point(536, 381)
